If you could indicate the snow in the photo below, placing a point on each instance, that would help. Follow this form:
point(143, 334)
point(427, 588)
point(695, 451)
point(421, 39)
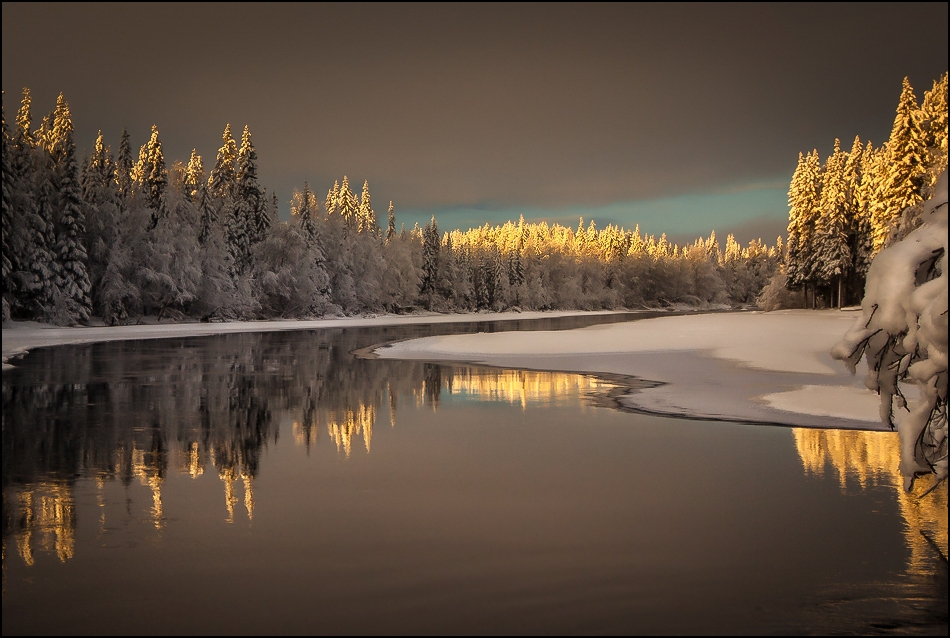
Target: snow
point(752, 367)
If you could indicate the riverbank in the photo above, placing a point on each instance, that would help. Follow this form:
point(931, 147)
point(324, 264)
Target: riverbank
point(748, 367)
point(19, 337)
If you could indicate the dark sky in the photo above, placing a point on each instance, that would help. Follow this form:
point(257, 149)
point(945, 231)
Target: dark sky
point(681, 117)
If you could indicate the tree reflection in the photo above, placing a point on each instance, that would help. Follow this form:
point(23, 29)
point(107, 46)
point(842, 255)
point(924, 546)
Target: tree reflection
point(872, 458)
point(130, 411)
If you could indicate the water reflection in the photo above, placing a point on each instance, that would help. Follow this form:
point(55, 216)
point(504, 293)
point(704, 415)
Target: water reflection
point(133, 412)
point(130, 412)
point(871, 459)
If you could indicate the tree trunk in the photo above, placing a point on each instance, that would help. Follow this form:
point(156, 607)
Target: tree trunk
point(840, 290)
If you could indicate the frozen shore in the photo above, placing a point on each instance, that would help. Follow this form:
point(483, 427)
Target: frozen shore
point(749, 367)
point(19, 337)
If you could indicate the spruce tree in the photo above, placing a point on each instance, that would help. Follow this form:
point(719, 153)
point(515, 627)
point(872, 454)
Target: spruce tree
point(154, 177)
point(367, 216)
point(431, 246)
point(24, 118)
point(72, 278)
point(7, 222)
point(303, 208)
point(346, 203)
point(333, 199)
point(123, 171)
point(223, 178)
point(253, 207)
point(905, 174)
point(832, 254)
point(933, 125)
point(391, 223)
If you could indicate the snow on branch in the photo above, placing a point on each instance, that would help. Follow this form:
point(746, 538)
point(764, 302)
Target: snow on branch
point(902, 333)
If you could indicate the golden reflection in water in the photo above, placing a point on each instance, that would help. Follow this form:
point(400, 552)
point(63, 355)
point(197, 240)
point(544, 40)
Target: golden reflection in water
point(229, 477)
point(190, 460)
point(46, 521)
point(522, 387)
point(343, 425)
point(872, 458)
point(149, 475)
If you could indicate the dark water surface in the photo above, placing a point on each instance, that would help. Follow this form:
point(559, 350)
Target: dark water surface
point(275, 483)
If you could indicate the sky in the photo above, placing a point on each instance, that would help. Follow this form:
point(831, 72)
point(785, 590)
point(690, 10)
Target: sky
point(682, 118)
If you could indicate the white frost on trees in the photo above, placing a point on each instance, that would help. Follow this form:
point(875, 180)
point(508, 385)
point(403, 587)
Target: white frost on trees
point(902, 332)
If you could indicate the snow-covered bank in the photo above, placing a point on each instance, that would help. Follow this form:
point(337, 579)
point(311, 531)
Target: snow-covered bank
point(756, 367)
point(21, 337)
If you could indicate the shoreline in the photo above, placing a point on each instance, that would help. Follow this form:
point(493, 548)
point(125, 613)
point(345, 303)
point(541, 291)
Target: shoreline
point(740, 366)
point(757, 368)
point(20, 337)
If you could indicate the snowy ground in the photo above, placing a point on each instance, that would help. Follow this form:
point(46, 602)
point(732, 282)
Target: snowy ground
point(753, 367)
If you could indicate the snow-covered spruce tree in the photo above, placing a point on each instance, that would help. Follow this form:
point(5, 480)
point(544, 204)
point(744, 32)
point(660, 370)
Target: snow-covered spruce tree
point(123, 171)
point(303, 209)
point(904, 174)
point(251, 202)
point(431, 246)
point(196, 190)
point(29, 289)
point(859, 219)
point(367, 216)
point(72, 278)
point(346, 204)
point(102, 216)
point(391, 223)
point(804, 201)
point(7, 222)
point(932, 120)
point(222, 185)
point(153, 175)
point(902, 333)
point(832, 260)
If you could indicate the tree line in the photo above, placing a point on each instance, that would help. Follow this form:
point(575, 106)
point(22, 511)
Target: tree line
point(844, 210)
point(119, 237)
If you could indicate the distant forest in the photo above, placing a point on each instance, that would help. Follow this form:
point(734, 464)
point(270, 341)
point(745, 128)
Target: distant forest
point(119, 237)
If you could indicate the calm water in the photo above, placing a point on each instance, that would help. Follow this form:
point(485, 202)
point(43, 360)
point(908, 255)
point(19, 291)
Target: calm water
point(275, 483)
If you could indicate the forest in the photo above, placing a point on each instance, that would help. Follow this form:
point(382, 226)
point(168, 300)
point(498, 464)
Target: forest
point(117, 238)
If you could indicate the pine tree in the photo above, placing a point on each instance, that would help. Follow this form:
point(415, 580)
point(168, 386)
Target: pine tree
point(832, 253)
point(223, 178)
point(24, 118)
point(303, 208)
point(99, 193)
point(253, 208)
point(346, 203)
point(431, 246)
point(6, 255)
point(391, 223)
point(804, 208)
point(333, 198)
point(933, 126)
point(905, 174)
point(196, 188)
point(367, 216)
point(123, 171)
point(154, 176)
point(72, 278)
